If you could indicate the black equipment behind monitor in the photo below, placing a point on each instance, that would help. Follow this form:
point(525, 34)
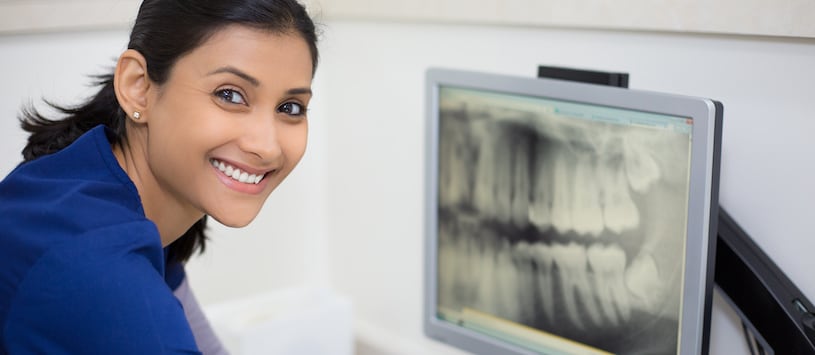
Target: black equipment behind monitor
point(766, 299)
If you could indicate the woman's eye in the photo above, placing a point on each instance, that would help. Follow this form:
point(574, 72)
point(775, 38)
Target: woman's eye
point(231, 96)
point(291, 108)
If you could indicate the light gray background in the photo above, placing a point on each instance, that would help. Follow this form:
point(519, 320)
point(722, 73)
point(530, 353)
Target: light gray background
point(752, 17)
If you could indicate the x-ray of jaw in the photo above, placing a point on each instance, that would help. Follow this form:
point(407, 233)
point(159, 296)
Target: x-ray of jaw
point(574, 227)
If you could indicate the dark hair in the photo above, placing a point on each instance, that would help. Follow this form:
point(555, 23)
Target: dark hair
point(164, 31)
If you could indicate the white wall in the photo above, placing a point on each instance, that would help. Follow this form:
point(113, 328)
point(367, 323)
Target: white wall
point(53, 66)
point(351, 214)
point(792, 18)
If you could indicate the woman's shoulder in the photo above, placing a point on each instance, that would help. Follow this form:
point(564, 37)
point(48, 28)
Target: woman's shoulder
point(85, 171)
point(57, 257)
point(74, 237)
point(133, 246)
point(51, 263)
point(130, 251)
point(65, 198)
point(88, 163)
point(103, 290)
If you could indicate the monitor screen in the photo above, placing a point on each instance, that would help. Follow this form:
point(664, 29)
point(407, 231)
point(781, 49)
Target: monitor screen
point(567, 218)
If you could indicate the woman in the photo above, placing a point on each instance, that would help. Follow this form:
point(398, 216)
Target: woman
point(204, 115)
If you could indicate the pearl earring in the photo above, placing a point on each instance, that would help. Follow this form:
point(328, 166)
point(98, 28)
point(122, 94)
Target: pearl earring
point(136, 115)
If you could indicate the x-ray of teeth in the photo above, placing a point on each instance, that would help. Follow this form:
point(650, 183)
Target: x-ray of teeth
point(520, 182)
point(561, 224)
point(608, 267)
point(540, 208)
point(574, 283)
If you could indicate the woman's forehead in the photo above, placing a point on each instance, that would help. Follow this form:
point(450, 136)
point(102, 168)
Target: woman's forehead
point(261, 54)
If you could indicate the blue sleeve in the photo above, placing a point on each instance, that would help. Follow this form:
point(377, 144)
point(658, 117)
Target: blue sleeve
point(97, 298)
point(174, 273)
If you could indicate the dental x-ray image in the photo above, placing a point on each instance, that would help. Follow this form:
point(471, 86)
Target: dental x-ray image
point(562, 222)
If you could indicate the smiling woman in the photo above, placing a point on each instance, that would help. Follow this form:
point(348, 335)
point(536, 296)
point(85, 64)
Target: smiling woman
point(204, 115)
point(233, 109)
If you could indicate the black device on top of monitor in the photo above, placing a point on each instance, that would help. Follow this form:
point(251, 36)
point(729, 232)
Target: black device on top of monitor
point(568, 218)
point(617, 79)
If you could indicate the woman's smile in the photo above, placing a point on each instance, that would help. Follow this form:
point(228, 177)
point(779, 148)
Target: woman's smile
point(238, 174)
point(241, 179)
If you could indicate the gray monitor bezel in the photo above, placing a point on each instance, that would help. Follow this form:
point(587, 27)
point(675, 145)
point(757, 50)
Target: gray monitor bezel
point(702, 202)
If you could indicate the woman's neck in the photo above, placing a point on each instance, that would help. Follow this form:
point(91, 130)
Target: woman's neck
point(171, 218)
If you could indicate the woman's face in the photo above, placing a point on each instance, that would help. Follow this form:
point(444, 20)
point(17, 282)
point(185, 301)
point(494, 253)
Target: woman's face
point(230, 122)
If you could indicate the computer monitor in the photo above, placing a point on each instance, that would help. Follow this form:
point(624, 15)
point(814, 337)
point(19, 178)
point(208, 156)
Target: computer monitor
point(568, 218)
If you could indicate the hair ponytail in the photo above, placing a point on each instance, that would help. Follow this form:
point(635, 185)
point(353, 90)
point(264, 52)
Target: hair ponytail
point(49, 136)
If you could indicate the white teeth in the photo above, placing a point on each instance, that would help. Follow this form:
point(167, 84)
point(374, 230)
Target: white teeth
point(619, 211)
point(507, 283)
point(236, 173)
point(542, 254)
point(485, 182)
point(640, 167)
point(455, 162)
point(582, 185)
point(540, 208)
point(587, 215)
point(502, 202)
point(608, 265)
point(574, 277)
point(564, 189)
point(524, 259)
point(520, 185)
point(493, 174)
point(643, 280)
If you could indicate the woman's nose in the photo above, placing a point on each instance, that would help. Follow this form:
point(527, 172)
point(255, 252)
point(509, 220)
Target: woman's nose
point(261, 139)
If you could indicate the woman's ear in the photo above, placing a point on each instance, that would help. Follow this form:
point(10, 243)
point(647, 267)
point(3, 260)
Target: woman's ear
point(132, 85)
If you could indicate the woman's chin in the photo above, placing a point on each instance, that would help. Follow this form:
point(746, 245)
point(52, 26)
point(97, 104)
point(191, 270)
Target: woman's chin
point(235, 220)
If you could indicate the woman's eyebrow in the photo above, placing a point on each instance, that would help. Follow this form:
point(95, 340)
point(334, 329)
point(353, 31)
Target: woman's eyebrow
point(298, 91)
point(254, 81)
point(232, 70)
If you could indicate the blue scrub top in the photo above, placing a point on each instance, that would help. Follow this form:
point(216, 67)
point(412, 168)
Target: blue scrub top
point(82, 270)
